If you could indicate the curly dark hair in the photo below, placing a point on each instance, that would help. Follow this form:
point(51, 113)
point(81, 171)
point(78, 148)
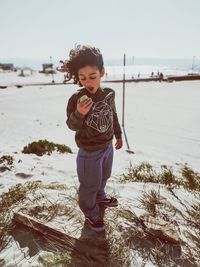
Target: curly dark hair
point(79, 57)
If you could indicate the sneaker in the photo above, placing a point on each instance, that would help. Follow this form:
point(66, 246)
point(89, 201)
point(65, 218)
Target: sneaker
point(96, 225)
point(108, 202)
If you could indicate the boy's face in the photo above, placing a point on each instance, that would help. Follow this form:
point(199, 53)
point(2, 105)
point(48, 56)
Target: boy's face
point(90, 77)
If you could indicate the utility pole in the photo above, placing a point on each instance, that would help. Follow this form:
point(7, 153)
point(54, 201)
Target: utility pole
point(193, 63)
point(133, 60)
point(123, 106)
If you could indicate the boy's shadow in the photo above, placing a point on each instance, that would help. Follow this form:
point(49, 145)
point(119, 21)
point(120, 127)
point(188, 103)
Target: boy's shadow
point(90, 249)
point(94, 252)
point(29, 238)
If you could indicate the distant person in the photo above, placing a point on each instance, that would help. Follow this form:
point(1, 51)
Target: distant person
point(158, 74)
point(91, 113)
point(161, 76)
point(152, 74)
point(139, 75)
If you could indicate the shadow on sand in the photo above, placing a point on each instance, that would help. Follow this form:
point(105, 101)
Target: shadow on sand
point(94, 249)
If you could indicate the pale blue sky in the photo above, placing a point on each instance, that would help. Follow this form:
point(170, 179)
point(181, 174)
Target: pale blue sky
point(143, 28)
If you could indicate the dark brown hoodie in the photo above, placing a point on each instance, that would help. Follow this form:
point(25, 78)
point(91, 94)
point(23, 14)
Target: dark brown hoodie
point(95, 130)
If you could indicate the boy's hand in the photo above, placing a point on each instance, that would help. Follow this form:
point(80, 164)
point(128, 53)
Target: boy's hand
point(118, 144)
point(84, 106)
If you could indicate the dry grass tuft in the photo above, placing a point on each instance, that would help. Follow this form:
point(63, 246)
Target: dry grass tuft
point(167, 177)
point(16, 194)
point(55, 259)
point(144, 172)
point(42, 147)
point(194, 239)
point(150, 200)
point(192, 178)
point(7, 159)
point(194, 213)
point(55, 186)
point(5, 230)
point(6, 163)
point(48, 212)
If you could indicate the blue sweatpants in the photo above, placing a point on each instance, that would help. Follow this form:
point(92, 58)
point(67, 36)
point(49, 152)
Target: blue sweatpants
point(93, 169)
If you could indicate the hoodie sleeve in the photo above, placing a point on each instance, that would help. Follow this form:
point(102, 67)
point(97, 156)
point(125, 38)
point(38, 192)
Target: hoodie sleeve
point(116, 125)
point(74, 118)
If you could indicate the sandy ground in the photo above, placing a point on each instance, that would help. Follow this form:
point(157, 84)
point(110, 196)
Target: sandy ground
point(161, 122)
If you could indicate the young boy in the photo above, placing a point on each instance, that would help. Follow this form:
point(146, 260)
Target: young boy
point(91, 113)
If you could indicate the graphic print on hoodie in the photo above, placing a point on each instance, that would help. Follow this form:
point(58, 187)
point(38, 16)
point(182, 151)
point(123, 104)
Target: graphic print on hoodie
point(100, 116)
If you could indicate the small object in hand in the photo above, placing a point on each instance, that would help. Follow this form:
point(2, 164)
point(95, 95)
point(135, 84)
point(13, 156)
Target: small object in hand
point(83, 98)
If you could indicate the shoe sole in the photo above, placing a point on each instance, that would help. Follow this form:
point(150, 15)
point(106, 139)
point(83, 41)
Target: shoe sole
point(108, 205)
point(96, 229)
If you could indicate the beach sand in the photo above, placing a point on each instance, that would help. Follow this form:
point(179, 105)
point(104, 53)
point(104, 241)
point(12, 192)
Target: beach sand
point(161, 122)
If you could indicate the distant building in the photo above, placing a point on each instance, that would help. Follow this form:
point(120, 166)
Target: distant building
point(47, 68)
point(7, 66)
